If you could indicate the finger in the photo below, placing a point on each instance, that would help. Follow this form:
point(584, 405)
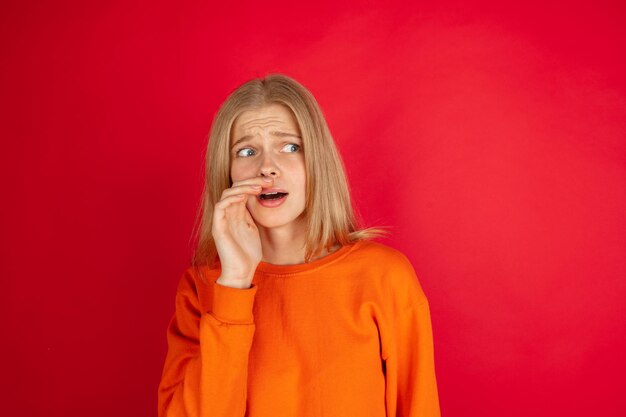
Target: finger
point(241, 208)
point(226, 202)
point(237, 209)
point(224, 215)
point(248, 189)
point(254, 180)
point(249, 218)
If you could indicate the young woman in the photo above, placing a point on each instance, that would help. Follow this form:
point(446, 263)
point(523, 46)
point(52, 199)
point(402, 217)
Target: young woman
point(289, 307)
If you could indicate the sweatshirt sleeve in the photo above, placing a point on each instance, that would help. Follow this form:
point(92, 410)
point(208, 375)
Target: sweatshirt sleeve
point(408, 354)
point(206, 366)
point(411, 380)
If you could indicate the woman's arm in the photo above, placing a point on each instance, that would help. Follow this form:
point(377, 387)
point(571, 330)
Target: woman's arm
point(410, 366)
point(206, 367)
point(408, 349)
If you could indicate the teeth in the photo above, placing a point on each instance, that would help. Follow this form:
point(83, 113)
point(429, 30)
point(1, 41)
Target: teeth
point(270, 196)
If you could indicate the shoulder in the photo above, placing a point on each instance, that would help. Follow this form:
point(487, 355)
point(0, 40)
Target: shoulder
point(384, 257)
point(394, 269)
point(381, 251)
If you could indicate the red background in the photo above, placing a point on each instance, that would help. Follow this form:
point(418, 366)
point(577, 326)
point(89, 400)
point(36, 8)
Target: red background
point(490, 137)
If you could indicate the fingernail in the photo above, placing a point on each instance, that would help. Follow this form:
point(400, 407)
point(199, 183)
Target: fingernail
point(256, 187)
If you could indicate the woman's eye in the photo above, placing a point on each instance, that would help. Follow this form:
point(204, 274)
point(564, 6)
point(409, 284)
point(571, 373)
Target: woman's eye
point(242, 149)
point(243, 152)
point(293, 144)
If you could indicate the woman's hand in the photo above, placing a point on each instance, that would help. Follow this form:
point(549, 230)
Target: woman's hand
point(236, 235)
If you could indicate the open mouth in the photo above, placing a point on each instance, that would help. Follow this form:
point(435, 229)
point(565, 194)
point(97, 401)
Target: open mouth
point(272, 196)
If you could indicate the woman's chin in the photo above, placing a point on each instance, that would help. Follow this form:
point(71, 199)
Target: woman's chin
point(275, 222)
point(268, 224)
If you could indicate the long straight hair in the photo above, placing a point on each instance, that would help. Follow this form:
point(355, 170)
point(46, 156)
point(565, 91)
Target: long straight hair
point(329, 211)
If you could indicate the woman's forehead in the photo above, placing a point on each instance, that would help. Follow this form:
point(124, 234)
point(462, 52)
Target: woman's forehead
point(276, 119)
point(273, 113)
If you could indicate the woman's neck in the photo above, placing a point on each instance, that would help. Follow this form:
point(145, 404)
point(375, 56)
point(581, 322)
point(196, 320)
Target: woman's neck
point(286, 245)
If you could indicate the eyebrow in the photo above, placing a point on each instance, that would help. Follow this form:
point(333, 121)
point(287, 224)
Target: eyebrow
point(274, 133)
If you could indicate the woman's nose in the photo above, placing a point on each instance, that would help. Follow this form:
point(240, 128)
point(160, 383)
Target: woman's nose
point(268, 166)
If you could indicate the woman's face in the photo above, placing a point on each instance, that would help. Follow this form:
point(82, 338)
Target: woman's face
point(272, 147)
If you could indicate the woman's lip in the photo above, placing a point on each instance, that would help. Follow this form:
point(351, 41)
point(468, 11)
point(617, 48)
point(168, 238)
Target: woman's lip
point(271, 203)
point(272, 190)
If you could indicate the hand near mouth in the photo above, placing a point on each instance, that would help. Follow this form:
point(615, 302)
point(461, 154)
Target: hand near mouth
point(235, 233)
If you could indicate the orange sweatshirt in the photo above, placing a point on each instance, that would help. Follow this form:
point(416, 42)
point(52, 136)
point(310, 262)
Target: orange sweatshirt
point(347, 335)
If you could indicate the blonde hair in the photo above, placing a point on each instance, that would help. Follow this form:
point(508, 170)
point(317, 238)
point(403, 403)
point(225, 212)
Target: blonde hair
point(329, 211)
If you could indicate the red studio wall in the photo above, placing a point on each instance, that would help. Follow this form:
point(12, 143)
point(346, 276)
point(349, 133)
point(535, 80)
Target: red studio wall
point(490, 136)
